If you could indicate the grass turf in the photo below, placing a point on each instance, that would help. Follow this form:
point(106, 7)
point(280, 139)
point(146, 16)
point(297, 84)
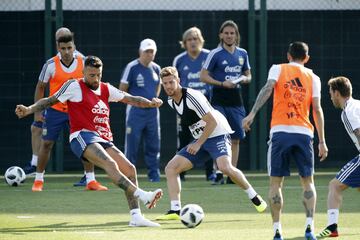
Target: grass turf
point(62, 211)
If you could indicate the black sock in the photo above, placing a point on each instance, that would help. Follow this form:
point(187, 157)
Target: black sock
point(332, 227)
point(256, 201)
point(174, 211)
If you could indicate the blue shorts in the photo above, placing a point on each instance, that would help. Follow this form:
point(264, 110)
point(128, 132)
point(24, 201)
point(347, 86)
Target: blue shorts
point(54, 122)
point(234, 115)
point(37, 124)
point(213, 147)
point(350, 173)
point(284, 147)
point(79, 144)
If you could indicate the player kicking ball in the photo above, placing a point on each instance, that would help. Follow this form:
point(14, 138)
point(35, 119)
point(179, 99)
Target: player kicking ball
point(90, 134)
point(211, 132)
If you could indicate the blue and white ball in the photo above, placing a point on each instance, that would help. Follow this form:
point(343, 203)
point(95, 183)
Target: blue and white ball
point(191, 215)
point(15, 176)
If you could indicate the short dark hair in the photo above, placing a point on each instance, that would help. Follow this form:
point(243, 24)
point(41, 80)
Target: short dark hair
point(93, 61)
point(341, 84)
point(298, 50)
point(66, 38)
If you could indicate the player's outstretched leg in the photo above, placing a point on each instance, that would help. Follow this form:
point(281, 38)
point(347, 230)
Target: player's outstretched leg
point(224, 165)
point(174, 167)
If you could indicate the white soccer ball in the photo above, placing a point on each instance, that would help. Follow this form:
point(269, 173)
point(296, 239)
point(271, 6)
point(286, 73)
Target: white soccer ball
point(191, 215)
point(14, 176)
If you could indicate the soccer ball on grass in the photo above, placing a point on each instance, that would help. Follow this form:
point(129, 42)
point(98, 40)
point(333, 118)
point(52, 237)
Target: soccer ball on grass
point(15, 176)
point(191, 215)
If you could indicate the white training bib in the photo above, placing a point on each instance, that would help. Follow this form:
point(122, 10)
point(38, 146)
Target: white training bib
point(197, 129)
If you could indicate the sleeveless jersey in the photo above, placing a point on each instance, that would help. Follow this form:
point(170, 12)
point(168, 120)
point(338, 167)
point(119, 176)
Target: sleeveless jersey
point(92, 113)
point(193, 105)
point(61, 77)
point(293, 95)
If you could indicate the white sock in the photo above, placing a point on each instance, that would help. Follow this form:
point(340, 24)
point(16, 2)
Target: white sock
point(277, 226)
point(135, 213)
point(39, 176)
point(90, 176)
point(251, 192)
point(139, 193)
point(218, 172)
point(309, 221)
point(333, 216)
point(34, 160)
point(175, 205)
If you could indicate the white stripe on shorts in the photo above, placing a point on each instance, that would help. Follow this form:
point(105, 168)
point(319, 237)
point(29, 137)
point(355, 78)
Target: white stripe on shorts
point(269, 157)
point(349, 170)
point(81, 141)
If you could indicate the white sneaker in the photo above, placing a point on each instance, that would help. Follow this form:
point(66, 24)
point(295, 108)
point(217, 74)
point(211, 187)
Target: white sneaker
point(150, 198)
point(143, 222)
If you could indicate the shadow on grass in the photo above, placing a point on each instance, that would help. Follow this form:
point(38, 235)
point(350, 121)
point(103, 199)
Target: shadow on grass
point(66, 227)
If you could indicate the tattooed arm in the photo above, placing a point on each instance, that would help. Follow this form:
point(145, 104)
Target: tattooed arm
point(22, 111)
point(261, 99)
point(142, 102)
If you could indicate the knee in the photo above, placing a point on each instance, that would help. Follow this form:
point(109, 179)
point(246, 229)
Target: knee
point(47, 145)
point(35, 130)
point(132, 170)
point(111, 165)
point(168, 169)
point(227, 169)
point(334, 186)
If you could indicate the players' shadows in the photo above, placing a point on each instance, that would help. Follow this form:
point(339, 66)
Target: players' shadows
point(181, 226)
point(66, 227)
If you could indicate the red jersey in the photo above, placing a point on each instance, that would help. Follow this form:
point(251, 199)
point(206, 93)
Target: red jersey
point(92, 113)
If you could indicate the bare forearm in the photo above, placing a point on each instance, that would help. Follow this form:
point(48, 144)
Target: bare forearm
point(206, 78)
point(209, 128)
point(319, 123)
point(137, 101)
point(262, 97)
point(42, 104)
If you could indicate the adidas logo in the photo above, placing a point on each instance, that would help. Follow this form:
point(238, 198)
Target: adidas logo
point(140, 77)
point(186, 68)
point(224, 62)
point(295, 82)
point(295, 85)
point(100, 108)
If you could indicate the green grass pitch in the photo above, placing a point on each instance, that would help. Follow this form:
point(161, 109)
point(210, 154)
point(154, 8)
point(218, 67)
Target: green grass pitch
point(62, 211)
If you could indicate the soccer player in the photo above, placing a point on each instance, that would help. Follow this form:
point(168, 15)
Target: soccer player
point(141, 78)
point(296, 90)
point(36, 126)
point(90, 134)
point(349, 175)
point(188, 65)
point(226, 68)
point(57, 70)
point(211, 132)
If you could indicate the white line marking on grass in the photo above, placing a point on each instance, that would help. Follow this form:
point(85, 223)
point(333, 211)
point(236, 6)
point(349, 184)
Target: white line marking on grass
point(25, 217)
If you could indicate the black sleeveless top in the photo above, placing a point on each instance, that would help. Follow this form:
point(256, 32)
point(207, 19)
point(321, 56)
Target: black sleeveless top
point(188, 116)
